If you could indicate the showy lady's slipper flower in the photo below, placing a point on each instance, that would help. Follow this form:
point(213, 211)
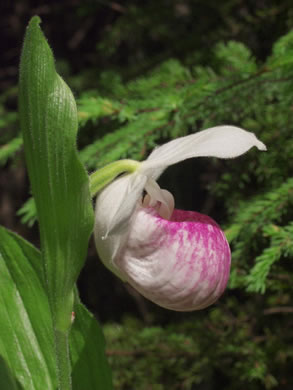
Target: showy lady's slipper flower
point(178, 259)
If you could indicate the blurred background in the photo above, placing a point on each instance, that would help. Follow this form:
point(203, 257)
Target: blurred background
point(143, 73)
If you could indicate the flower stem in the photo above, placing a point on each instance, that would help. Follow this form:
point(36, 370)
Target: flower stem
point(61, 313)
point(63, 360)
point(104, 176)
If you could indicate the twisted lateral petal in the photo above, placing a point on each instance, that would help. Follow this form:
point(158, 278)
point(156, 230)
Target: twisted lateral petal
point(116, 203)
point(182, 264)
point(220, 141)
point(154, 195)
point(114, 207)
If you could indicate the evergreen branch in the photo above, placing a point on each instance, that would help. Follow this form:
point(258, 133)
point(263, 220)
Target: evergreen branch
point(281, 245)
point(260, 212)
point(9, 149)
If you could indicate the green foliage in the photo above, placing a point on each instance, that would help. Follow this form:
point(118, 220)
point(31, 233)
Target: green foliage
point(281, 245)
point(90, 368)
point(171, 98)
point(28, 212)
point(59, 182)
point(26, 324)
point(9, 149)
point(27, 342)
point(60, 185)
point(10, 142)
point(248, 348)
point(206, 348)
point(253, 223)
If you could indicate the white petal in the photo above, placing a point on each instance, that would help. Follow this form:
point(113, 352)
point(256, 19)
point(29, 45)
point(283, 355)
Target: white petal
point(114, 207)
point(158, 195)
point(166, 209)
point(116, 203)
point(220, 141)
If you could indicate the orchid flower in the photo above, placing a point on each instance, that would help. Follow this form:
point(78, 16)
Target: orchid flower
point(178, 259)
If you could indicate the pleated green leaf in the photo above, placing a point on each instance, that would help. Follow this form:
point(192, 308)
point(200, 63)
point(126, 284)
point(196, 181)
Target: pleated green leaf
point(27, 359)
point(26, 333)
point(59, 182)
point(90, 369)
point(7, 381)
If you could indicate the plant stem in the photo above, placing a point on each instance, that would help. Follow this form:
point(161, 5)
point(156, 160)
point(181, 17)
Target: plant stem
point(104, 176)
point(63, 360)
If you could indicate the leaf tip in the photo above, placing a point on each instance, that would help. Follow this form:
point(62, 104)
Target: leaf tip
point(35, 21)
